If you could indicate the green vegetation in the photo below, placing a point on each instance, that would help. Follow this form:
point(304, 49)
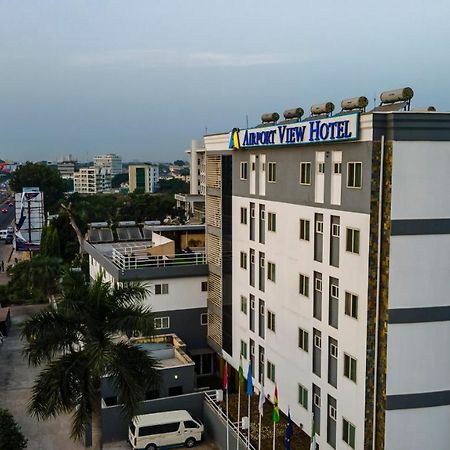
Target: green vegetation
point(174, 186)
point(11, 437)
point(76, 343)
point(119, 179)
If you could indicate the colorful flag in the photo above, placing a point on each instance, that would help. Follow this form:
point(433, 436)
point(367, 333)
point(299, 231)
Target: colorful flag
point(262, 399)
point(234, 142)
point(241, 371)
point(249, 380)
point(288, 433)
point(276, 411)
point(225, 376)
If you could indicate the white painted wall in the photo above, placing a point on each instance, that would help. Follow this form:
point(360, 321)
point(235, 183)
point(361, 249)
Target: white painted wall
point(418, 429)
point(293, 256)
point(420, 180)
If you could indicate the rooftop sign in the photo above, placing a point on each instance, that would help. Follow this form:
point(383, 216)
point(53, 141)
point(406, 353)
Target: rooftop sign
point(330, 129)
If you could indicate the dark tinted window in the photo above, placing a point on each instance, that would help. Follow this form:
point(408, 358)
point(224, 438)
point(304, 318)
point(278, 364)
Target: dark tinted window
point(159, 429)
point(190, 424)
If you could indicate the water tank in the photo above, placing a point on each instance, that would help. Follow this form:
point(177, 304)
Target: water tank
point(354, 103)
point(397, 95)
point(269, 117)
point(293, 113)
point(322, 108)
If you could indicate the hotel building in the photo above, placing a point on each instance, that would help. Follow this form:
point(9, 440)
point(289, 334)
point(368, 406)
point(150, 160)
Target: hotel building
point(328, 243)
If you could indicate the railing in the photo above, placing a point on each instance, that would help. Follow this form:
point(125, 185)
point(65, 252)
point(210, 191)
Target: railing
point(211, 400)
point(126, 261)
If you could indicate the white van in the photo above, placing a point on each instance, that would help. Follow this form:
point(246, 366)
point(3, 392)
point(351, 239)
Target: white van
point(151, 431)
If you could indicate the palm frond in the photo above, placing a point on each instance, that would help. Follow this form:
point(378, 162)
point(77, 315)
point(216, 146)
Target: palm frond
point(131, 319)
point(130, 293)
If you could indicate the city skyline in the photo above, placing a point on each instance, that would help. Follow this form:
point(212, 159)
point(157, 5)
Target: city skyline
point(143, 79)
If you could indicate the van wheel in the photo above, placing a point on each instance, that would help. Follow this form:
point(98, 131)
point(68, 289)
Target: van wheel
point(151, 447)
point(190, 442)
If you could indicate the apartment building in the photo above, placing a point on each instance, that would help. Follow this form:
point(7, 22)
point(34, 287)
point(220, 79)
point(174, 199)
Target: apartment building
point(143, 177)
point(339, 231)
point(92, 180)
point(67, 166)
point(110, 162)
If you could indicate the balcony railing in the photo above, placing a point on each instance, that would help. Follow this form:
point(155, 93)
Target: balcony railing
point(126, 261)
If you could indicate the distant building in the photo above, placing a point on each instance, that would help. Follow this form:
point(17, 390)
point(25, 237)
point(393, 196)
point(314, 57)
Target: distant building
point(92, 180)
point(110, 161)
point(67, 166)
point(143, 177)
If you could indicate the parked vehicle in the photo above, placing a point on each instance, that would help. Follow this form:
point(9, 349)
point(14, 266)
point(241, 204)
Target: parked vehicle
point(3, 234)
point(4, 210)
point(151, 431)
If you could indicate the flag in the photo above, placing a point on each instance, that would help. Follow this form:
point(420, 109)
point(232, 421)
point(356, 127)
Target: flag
point(249, 380)
point(262, 399)
point(288, 433)
point(241, 371)
point(234, 142)
point(225, 376)
point(276, 411)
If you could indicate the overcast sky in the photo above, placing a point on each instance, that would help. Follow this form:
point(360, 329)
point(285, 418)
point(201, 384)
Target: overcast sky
point(143, 77)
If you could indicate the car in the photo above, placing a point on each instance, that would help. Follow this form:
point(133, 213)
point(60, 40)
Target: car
point(4, 210)
point(10, 204)
point(9, 239)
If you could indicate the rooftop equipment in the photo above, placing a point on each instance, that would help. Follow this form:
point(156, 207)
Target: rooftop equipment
point(293, 113)
point(403, 95)
point(350, 104)
point(322, 109)
point(269, 117)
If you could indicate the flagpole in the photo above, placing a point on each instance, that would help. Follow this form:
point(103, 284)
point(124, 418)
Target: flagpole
point(248, 429)
point(273, 443)
point(228, 421)
point(259, 433)
point(238, 414)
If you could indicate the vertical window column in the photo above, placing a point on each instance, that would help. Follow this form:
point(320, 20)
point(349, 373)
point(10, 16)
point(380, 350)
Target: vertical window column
point(318, 237)
point(262, 319)
point(319, 184)
point(317, 305)
point(317, 352)
point(335, 233)
point(262, 224)
point(262, 271)
point(333, 304)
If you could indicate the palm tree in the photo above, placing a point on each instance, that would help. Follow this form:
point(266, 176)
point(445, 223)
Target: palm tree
point(80, 343)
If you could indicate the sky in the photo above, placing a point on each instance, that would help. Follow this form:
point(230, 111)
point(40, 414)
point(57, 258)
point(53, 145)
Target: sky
point(141, 78)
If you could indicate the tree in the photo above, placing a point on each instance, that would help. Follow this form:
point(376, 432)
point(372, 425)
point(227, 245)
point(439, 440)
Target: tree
point(78, 343)
point(50, 243)
point(174, 186)
point(178, 162)
point(46, 178)
point(11, 437)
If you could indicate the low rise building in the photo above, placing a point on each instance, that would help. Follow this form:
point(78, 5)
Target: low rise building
point(92, 180)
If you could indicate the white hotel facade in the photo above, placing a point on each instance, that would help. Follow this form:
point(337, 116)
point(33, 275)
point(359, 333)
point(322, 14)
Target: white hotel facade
point(333, 277)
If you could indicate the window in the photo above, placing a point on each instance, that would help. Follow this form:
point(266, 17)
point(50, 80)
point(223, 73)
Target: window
point(190, 424)
point(272, 172)
point(303, 396)
point(317, 341)
point(161, 323)
point(161, 289)
point(354, 174)
point(317, 400)
point(204, 319)
point(244, 216)
point(304, 229)
point(204, 286)
point(320, 167)
point(305, 173)
point(244, 349)
point(337, 167)
point(303, 338)
point(350, 367)
point(244, 170)
point(348, 432)
point(334, 291)
point(271, 371)
point(333, 350)
point(319, 226)
point(272, 222)
point(318, 285)
point(352, 244)
point(332, 412)
point(335, 230)
point(271, 321)
point(243, 260)
point(271, 271)
point(304, 285)
point(243, 304)
point(351, 305)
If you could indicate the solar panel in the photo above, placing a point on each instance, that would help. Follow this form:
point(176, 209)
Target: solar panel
point(122, 234)
point(93, 235)
point(147, 233)
point(106, 235)
point(134, 233)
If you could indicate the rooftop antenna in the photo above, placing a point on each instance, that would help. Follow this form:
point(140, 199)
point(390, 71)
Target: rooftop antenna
point(246, 121)
point(206, 129)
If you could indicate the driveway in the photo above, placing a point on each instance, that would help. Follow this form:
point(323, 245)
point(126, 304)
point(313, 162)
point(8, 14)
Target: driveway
point(16, 380)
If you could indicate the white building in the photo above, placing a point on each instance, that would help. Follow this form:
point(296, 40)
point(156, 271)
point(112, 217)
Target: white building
point(92, 180)
point(335, 288)
point(110, 162)
point(143, 177)
point(67, 166)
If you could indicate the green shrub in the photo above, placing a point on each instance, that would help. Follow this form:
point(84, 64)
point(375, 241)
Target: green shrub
point(11, 437)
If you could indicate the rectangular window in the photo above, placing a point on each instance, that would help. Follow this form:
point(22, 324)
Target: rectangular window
point(161, 323)
point(243, 260)
point(271, 271)
point(305, 173)
point(161, 289)
point(243, 304)
point(354, 174)
point(319, 226)
point(318, 285)
point(204, 319)
point(352, 244)
point(348, 432)
point(334, 291)
point(271, 321)
point(304, 229)
point(317, 341)
point(244, 216)
point(351, 305)
point(303, 338)
point(304, 285)
point(272, 172)
point(271, 371)
point(350, 367)
point(337, 167)
point(204, 286)
point(332, 412)
point(335, 230)
point(272, 222)
point(244, 170)
point(320, 167)
point(244, 349)
point(317, 400)
point(333, 350)
point(303, 396)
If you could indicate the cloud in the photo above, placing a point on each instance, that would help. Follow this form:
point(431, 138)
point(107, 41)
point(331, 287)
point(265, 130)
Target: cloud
point(175, 58)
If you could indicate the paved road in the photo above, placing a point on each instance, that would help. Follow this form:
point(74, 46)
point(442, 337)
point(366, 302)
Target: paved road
point(6, 218)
